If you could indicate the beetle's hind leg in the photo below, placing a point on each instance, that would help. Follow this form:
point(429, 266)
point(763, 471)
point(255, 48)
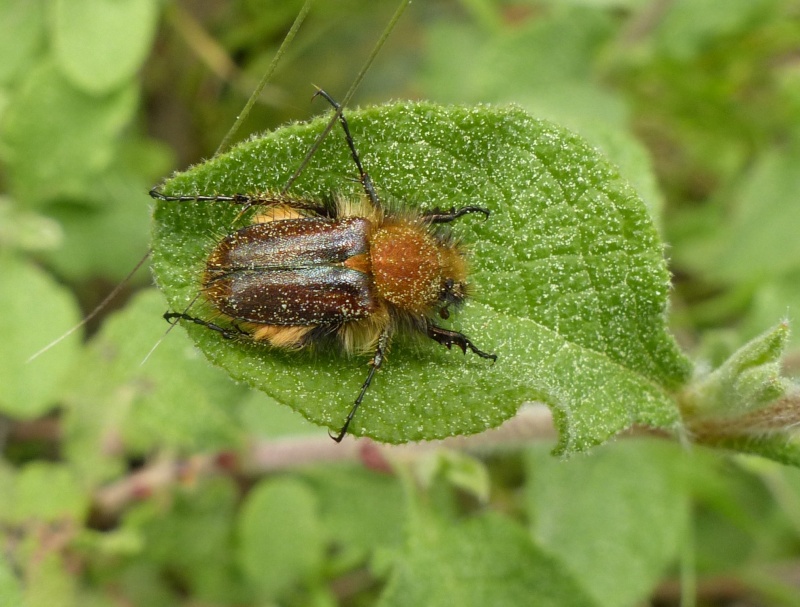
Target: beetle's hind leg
point(453, 338)
point(377, 361)
point(174, 317)
point(364, 177)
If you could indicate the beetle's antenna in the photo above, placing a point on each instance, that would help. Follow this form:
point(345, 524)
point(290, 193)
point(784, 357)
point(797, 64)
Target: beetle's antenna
point(115, 291)
point(265, 78)
point(348, 97)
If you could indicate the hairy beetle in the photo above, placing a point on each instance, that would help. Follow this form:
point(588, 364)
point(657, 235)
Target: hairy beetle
point(306, 270)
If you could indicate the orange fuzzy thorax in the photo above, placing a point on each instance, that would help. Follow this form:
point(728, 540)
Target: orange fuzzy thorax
point(409, 266)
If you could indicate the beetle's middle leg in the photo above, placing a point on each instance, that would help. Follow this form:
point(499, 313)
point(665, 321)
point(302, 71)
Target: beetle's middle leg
point(377, 361)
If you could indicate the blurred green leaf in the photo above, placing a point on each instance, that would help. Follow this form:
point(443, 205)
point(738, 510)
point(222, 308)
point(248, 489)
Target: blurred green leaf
point(44, 492)
point(195, 539)
point(101, 44)
point(50, 584)
point(761, 236)
point(10, 585)
point(748, 380)
point(544, 65)
point(264, 417)
point(615, 519)
point(121, 207)
point(690, 25)
point(460, 470)
point(569, 276)
point(145, 586)
point(27, 230)
point(21, 35)
point(172, 399)
point(57, 139)
point(779, 297)
point(488, 560)
point(281, 540)
point(746, 404)
point(363, 511)
point(36, 310)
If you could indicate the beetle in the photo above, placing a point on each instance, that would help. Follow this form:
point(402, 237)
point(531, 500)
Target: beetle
point(356, 270)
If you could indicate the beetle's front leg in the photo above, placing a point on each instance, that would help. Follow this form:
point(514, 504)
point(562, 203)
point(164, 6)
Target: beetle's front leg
point(450, 338)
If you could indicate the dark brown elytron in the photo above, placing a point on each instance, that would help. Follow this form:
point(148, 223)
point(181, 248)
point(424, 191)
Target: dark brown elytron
point(304, 271)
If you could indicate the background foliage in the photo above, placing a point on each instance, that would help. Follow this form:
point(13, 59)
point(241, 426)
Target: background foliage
point(168, 484)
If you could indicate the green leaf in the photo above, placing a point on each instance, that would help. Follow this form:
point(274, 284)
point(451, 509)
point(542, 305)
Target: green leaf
point(689, 26)
point(281, 539)
point(749, 379)
point(488, 560)
point(101, 44)
point(44, 492)
point(615, 519)
point(746, 404)
point(21, 35)
point(56, 139)
point(362, 510)
point(760, 239)
point(35, 310)
point(782, 447)
point(173, 399)
point(121, 208)
point(569, 279)
point(27, 230)
point(265, 418)
point(773, 299)
point(194, 540)
point(50, 583)
point(460, 470)
point(10, 585)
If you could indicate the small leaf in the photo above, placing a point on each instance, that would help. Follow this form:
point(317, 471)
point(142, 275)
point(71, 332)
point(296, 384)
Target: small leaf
point(42, 165)
point(745, 404)
point(35, 310)
point(194, 540)
point(569, 279)
point(362, 510)
point(459, 469)
point(749, 379)
point(100, 44)
point(21, 35)
point(280, 536)
point(174, 399)
point(44, 492)
point(488, 560)
point(27, 230)
point(10, 584)
point(615, 519)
